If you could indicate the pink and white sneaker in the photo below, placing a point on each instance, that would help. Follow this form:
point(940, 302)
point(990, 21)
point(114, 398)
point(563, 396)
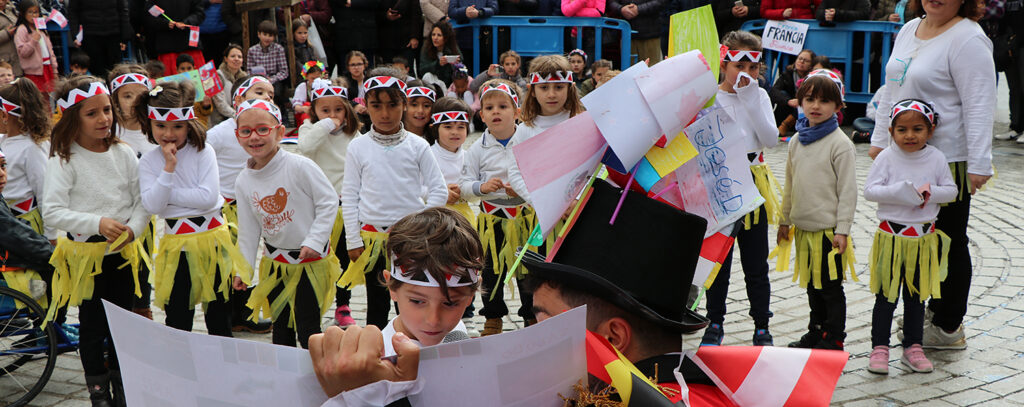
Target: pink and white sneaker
point(915, 359)
point(343, 315)
point(879, 361)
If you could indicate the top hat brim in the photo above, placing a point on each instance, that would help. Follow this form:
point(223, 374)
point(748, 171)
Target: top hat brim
point(593, 284)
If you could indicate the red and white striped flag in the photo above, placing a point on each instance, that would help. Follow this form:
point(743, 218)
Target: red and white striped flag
point(155, 11)
point(772, 376)
point(57, 17)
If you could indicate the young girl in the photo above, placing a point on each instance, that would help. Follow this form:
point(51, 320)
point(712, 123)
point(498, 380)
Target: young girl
point(92, 192)
point(578, 62)
point(909, 183)
point(751, 110)
point(197, 259)
point(127, 83)
point(421, 99)
point(820, 171)
point(356, 65)
point(303, 52)
point(387, 174)
point(425, 248)
point(503, 224)
point(311, 71)
point(324, 139)
point(449, 126)
point(35, 52)
point(25, 119)
point(290, 204)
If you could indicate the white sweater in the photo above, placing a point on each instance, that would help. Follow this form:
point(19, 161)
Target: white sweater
point(325, 149)
point(90, 186)
point(955, 72)
point(191, 190)
point(26, 167)
point(487, 159)
point(450, 163)
point(289, 202)
point(136, 140)
point(231, 157)
point(895, 177)
point(525, 132)
point(300, 96)
point(751, 111)
point(384, 184)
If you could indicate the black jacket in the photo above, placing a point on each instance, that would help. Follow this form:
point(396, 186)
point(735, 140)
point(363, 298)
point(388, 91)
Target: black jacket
point(21, 245)
point(396, 34)
point(784, 88)
point(355, 27)
point(727, 22)
point(517, 7)
point(100, 18)
point(164, 39)
point(646, 21)
point(846, 10)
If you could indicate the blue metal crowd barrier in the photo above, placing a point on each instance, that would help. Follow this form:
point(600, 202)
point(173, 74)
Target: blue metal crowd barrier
point(837, 43)
point(59, 37)
point(535, 36)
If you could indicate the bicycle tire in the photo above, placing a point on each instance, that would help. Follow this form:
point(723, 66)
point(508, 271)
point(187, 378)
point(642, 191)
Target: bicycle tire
point(36, 315)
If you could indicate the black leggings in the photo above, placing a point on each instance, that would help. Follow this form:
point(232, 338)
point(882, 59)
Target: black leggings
point(913, 318)
point(342, 296)
point(117, 286)
point(378, 299)
point(181, 312)
point(828, 303)
point(753, 245)
point(950, 309)
point(307, 315)
point(493, 283)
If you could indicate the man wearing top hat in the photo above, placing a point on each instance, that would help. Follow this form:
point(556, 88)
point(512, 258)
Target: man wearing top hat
point(634, 277)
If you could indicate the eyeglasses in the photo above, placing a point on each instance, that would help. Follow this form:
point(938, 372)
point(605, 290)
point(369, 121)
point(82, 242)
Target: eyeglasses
point(246, 132)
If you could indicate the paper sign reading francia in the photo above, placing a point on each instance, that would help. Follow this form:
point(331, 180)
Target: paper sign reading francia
point(784, 36)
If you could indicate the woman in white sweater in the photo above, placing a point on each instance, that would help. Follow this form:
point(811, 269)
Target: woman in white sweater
point(946, 58)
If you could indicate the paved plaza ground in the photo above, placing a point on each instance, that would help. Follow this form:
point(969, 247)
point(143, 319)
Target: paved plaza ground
point(988, 372)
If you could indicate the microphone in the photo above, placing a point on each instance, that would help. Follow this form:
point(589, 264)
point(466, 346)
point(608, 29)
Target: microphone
point(455, 336)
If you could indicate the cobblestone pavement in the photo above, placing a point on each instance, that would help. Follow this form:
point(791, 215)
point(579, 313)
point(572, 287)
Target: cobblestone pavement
point(987, 373)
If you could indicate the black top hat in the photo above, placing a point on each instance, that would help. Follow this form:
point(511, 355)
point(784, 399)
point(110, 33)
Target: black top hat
point(644, 263)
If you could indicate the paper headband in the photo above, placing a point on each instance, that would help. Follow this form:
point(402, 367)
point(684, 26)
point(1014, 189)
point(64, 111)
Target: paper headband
point(378, 82)
point(420, 91)
point(11, 108)
point(261, 105)
point(323, 88)
point(503, 88)
point(923, 107)
point(579, 52)
point(449, 117)
point(310, 65)
point(172, 114)
point(253, 80)
point(426, 279)
point(555, 77)
point(736, 56)
point(83, 92)
point(832, 76)
point(130, 79)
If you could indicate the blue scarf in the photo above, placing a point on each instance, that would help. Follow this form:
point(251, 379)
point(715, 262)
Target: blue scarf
point(807, 134)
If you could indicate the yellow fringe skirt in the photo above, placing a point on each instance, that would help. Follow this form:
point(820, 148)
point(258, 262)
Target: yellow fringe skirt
point(768, 187)
point(374, 246)
point(516, 231)
point(339, 226)
point(809, 256)
point(34, 219)
point(21, 280)
point(206, 252)
point(230, 211)
point(462, 207)
point(77, 263)
point(322, 275)
point(921, 256)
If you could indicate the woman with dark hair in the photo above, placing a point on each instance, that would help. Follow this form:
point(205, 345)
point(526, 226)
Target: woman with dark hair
point(783, 92)
point(229, 71)
point(440, 44)
point(946, 58)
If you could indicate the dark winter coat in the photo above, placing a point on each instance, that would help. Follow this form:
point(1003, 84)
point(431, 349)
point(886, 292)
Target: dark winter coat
point(355, 26)
point(164, 39)
point(101, 18)
point(646, 23)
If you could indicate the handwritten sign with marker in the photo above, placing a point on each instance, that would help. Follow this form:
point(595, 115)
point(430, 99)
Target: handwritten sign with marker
point(784, 36)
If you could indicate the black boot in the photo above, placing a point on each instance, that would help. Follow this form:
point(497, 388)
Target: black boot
point(811, 338)
point(832, 341)
point(117, 388)
point(99, 390)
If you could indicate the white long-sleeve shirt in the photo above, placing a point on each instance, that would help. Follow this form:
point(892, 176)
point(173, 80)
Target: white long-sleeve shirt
point(300, 96)
point(956, 74)
point(26, 167)
point(525, 132)
point(136, 140)
point(289, 202)
point(325, 149)
point(384, 184)
point(231, 157)
point(450, 163)
point(895, 177)
point(90, 186)
point(193, 189)
point(487, 159)
point(751, 111)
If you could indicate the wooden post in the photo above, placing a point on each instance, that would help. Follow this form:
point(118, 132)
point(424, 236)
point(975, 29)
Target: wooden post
point(289, 38)
point(245, 33)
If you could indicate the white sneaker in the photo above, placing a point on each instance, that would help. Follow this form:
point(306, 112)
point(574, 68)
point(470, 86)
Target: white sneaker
point(936, 338)
point(1009, 135)
point(1020, 140)
point(470, 328)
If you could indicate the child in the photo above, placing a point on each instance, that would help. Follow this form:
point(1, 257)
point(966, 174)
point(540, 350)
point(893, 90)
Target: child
point(509, 69)
point(578, 62)
point(386, 173)
point(26, 257)
point(202, 109)
point(79, 63)
point(502, 224)
point(311, 71)
point(154, 69)
point(197, 259)
point(751, 110)
point(820, 170)
point(269, 57)
point(449, 126)
point(460, 85)
point(6, 72)
point(303, 52)
point(92, 192)
point(425, 248)
point(324, 138)
point(402, 65)
point(35, 53)
point(599, 68)
point(127, 83)
point(909, 183)
point(25, 119)
point(231, 158)
point(421, 100)
point(292, 206)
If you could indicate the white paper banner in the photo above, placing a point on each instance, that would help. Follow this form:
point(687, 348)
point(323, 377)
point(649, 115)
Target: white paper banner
point(784, 36)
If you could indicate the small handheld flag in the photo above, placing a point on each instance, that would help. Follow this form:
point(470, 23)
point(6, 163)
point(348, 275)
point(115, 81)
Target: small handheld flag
point(57, 17)
point(40, 23)
point(193, 36)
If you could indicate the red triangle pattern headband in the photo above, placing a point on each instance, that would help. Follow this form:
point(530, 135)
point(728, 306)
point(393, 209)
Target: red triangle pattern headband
point(171, 114)
point(833, 76)
point(449, 117)
point(916, 105)
point(323, 88)
point(503, 88)
point(244, 87)
point(81, 93)
point(420, 91)
point(554, 77)
point(424, 278)
point(130, 79)
point(11, 108)
point(378, 82)
point(736, 56)
point(261, 105)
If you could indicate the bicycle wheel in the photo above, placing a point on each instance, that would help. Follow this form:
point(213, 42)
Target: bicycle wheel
point(28, 352)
